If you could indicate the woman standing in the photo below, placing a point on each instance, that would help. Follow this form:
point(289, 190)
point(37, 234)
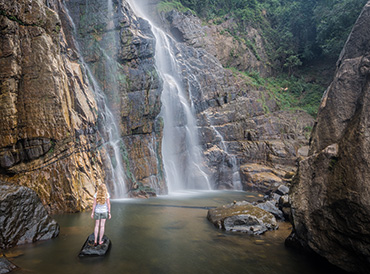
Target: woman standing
point(100, 212)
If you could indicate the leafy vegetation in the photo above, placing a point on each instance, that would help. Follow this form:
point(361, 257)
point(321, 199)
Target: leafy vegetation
point(298, 30)
point(289, 92)
point(166, 6)
point(297, 33)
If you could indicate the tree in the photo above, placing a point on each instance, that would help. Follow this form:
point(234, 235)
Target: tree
point(334, 20)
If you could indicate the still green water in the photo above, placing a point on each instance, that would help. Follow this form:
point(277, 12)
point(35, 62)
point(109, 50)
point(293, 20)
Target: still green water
point(168, 234)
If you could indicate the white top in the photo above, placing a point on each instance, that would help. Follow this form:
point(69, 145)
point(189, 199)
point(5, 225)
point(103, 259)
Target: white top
point(101, 208)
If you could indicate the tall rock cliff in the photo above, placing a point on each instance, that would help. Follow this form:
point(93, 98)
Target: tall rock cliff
point(119, 47)
point(51, 137)
point(48, 137)
point(331, 193)
point(239, 124)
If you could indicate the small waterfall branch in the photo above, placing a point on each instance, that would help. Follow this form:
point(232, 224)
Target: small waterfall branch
point(107, 125)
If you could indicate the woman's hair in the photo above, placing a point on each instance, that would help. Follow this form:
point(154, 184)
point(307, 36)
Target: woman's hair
point(102, 194)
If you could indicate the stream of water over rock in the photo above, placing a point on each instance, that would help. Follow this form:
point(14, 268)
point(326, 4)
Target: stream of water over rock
point(108, 127)
point(168, 234)
point(182, 159)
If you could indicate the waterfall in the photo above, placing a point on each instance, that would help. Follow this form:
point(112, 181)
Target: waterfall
point(181, 152)
point(107, 124)
point(229, 167)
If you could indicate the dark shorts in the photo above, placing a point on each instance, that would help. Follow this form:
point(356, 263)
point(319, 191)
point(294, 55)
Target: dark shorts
point(98, 216)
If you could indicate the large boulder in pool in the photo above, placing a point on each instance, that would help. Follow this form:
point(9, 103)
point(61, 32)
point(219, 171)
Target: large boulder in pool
point(23, 218)
point(242, 217)
point(89, 249)
point(5, 265)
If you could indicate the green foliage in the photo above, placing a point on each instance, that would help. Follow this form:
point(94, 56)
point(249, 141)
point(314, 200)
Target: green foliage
point(297, 31)
point(168, 5)
point(334, 20)
point(290, 93)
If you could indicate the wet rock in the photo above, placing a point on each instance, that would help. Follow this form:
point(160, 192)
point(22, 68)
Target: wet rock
point(242, 217)
point(285, 206)
point(5, 265)
point(233, 124)
point(187, 28)
point(23, 218)
point(41, 75)
point(89, 249)
point(120, 52)
point(270, 206)
point(282, 190)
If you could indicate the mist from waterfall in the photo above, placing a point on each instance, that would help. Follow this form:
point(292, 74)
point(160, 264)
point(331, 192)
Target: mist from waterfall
point(112, 141)
point(181, 152)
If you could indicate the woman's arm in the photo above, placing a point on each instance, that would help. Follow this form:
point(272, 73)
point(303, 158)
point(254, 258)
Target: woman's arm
point(108, 204)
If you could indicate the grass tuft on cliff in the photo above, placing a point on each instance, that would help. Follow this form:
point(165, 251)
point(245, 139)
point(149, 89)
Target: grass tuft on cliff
point(168, 5)
point(290, 92)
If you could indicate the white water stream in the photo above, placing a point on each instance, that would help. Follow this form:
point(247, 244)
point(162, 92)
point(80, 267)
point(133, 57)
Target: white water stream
point(182, 158)
point(107, 124)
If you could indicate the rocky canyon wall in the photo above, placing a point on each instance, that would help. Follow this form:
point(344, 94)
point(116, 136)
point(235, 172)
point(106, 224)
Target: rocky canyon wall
point(51, 136)
point(240, 125)
point(330, 196)
point(119, 49)
point(48, 136)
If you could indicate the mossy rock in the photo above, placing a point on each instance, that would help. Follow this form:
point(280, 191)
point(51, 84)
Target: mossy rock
point(242, 217)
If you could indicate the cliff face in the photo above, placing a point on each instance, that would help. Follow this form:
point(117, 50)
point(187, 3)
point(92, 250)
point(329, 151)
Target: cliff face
point(239, 124)
point(51, 137)
point(54, 55)
point(247, 54)
point(330, 197)
point(48, 137)
point(119, 49)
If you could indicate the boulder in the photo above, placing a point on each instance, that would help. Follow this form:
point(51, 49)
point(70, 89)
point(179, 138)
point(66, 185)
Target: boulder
point(331, 192)
point(88, 249)
point(23, 218)
point(259, 177)
point(271, 207)
point(5, 265)
point(242, 217)
point(282, 190)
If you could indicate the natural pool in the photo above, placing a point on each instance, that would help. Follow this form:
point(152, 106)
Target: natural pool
point(168, 234)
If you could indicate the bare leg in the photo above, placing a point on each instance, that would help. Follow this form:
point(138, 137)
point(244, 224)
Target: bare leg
point(101, 234)
point(96, 231)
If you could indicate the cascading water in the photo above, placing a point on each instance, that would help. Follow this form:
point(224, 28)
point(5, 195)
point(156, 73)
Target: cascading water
point(182, 159)
point(229, 167)
point(108, 128)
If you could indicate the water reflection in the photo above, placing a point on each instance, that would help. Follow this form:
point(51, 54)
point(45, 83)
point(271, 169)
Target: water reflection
point(166, 235)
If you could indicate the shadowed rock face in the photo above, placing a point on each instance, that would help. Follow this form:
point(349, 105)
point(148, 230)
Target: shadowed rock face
point(331, 193)
point(23, 218)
